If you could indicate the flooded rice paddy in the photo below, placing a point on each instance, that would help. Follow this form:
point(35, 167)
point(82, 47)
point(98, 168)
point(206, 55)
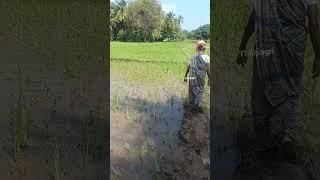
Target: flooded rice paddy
point(144, 124)
point(147, 100)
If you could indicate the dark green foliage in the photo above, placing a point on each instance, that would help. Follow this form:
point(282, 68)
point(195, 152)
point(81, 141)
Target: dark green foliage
point(143, 21)
point(203, 32)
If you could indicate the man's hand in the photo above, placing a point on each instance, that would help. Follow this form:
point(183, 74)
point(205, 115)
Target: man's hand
point(316, 68)
point(242, 57)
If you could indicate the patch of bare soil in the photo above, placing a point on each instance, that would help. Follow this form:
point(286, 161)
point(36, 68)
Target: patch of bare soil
point(191, 159)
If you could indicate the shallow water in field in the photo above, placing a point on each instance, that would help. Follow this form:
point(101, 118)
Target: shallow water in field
point(144, 123)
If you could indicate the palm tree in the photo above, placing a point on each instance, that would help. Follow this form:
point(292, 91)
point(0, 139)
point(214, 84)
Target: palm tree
point(121, 11)
point(118, 16)
point(180, 19)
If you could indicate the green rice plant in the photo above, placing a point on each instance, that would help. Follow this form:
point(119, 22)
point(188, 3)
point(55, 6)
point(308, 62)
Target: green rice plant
point(149, 93)
point(139, 105)
point(127, 112)
point(155, 159)
point(127, 147)
point(171, 137)
point(164, 137)
point(116, 171)
point(18, 132)
point(84, 145)
point(143, 150)
point(29, 120)
point(28, 108)
point(116, 106)
point(18, 129)
point(57, 171)
point(172, 103)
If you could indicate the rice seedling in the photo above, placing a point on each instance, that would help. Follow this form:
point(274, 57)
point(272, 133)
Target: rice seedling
point(84, 146)
point(116, 171)
point(143, 150)
point(171, 137)
point(127, 147)
point(164, 137)
point(155, 158)
point(57, 170)
point(139, 105)
point(18, 132)
point(127, 113)
point(116, 106)
point(18, 117)
point(132, 168)
point(172, 103)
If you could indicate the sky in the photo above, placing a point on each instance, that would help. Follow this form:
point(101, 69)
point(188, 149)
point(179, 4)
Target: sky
point(195, 12)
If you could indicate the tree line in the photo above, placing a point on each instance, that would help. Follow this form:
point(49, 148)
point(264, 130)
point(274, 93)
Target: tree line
point(145, 21)
point(203, 32)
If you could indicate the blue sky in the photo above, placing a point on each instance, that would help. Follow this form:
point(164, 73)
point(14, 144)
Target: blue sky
point(194, 12)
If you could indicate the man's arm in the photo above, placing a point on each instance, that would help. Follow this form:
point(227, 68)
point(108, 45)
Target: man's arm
point(313, 24)
point(209, 74)
point(187, 72)
point(249, 30)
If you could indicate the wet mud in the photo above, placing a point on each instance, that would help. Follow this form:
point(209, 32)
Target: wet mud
point(191, 158)
point(144, 125)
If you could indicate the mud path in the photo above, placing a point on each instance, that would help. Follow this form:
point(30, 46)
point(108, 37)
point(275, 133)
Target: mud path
point(191, 158)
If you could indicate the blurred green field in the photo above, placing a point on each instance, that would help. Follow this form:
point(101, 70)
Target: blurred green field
point(67, 33)
point(58, 36)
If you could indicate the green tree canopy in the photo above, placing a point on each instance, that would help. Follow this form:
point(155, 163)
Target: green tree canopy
point(143, 20)
point(145, 16)
point(203, 32)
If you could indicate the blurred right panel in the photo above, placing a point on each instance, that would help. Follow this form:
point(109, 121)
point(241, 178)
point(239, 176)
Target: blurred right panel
point(265, 95)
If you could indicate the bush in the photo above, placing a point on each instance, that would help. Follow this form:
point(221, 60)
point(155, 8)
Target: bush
point(121, 36)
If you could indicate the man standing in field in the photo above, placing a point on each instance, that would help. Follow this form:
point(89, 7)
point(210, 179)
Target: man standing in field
point(197, 70)
point(276, 82)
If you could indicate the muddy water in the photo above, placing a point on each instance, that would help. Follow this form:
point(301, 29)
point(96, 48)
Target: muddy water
point(144, 124)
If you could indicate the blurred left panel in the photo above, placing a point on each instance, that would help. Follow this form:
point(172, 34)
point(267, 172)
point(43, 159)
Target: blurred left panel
point(53, 83)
